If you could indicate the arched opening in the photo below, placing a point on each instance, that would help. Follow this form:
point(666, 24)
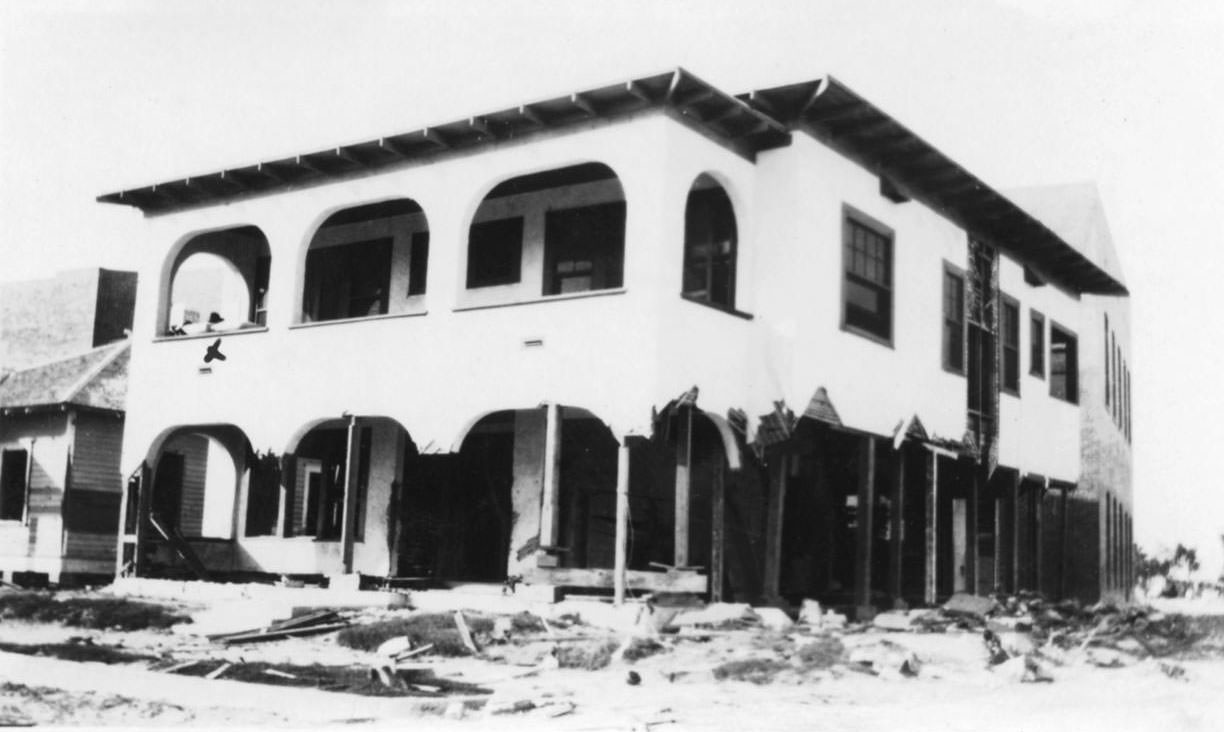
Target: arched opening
point(568, 222)
point(219, 282)
point(710, 237)
point(366, 261)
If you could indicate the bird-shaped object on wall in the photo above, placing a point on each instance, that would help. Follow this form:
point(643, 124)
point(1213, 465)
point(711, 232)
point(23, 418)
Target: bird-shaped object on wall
point(214, 352)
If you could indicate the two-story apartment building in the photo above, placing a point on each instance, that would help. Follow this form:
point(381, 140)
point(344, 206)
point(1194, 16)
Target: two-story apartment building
point(647, 336)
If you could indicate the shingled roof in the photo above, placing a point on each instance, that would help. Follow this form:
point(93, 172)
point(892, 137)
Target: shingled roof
point(96, 379)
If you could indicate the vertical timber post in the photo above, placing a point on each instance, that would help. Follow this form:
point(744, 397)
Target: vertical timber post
point(684, 456)
point(621, 559)
point(779, 468)
point(1039, 532)
point(1015, 532)
point(718, 512)
point(971, 531)
point(866, 530)
point(931, 588)
point(550, 503)
point(348, 525)
point(896, 529)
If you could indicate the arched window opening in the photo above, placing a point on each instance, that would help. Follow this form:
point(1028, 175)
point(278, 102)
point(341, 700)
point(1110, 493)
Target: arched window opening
point(571, 219)
point(709, 244)
point(366, 261)
point(219, 282)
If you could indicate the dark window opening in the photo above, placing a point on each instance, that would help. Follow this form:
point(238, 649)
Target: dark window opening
point(867, 283)
point(495, 253)
point(953, 320)
point(167, 500)
point(219, 282)
point(259, 304)
point(14, 472)
point(348, 281)
point(584, 248)
point(1036, 344)
point(1109, 369)
point(1010, 342)
point(1064, 365)
point(710, 242)
point(263, 494)
point(418, 263)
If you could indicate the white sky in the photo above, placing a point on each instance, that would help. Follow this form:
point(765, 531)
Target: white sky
point(99, 96)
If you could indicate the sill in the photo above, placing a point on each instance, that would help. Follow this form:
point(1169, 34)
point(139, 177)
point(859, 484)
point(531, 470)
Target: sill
point(1037, 375)
point(1067, 400)
point(1010, 392)
point(954, 371)
point(540, 299)
point(874, 337)
point(211, 334)
point(362, 319)
point(718, 307)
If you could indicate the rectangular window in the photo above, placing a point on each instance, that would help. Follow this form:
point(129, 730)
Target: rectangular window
point(14, 474)
point(953, 319)
point(259, 304)
point(349, 280)
point(495, 253)
point(1010, 343)
point(584, 248)
point(1064, 364)
point(418, 263)
point(1036, 344)
point(867, 282)
point(1109, 369)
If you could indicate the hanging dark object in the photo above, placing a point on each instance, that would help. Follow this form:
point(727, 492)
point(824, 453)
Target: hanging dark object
point(214, 352)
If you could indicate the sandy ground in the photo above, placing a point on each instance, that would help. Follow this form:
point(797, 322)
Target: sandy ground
point(954, 690)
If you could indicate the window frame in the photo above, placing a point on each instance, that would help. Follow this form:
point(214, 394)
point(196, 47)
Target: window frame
point(851, 218)
point(1037, 344)
point(25, 476)
point(468, 282)
point(717, 194)
point(607, 267)
point(951, 270)
point(1007, 304)
point(1071, 375)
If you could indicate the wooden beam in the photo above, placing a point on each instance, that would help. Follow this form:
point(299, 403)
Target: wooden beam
point(348, 524)
point(584, 104)
point(351, 157)
point(393, 147)
point(779, 467)
point(931, 591)
point(866, 530)
point(436, 138)
point(304, 161)
point(550, 505)
point(670, 581)
point(684, 456)
point(897, 528)
point(636, 90)
point(267, 170)
point(481, 125)
point(621, 558)
point(532, 116)
point(718, 513)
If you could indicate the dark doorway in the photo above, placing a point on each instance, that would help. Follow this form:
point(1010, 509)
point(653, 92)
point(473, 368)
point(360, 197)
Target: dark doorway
point(168, 489)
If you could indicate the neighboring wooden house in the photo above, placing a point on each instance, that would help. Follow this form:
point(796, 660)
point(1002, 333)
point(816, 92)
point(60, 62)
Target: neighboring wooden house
point(61, 432)
point(647, 335)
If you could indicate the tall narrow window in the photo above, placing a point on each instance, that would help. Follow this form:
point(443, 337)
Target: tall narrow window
point(1036, 344)
point(953, 319)
point(1109, 369)
point(1010, 343)
point(1064, 364)
point(418, 263)
point(867, 282)
point(14, 470)
point(709, 245)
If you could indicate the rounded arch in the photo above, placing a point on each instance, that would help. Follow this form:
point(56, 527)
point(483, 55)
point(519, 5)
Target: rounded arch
point(711, 243)
point(363, 259)
point(730, 444)
point(222, 272)
point(570, 218)
point(196, 476)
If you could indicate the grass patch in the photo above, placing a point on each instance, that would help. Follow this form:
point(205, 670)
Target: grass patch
point(436, 628)
point(640, 648)
point(755, 670)
point(80, 652)
point(98, 613)
point(346, 679)
point(588, 656)
point(821, 653)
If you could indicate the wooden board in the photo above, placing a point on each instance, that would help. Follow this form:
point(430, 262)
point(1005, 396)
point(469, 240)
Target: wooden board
point(674, 581)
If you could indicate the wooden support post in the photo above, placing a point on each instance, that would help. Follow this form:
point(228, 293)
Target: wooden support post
point(1039, 534)
point(621, 560)
point(718, 512)
point(550, 501)
point(896, 529)
point(931, 588)
point(348, 522)
point(288, 481)
point(1015, 537)
point(866, 530)
point(971, 531)
point(779, 468)
point(684, 456)
point(1064, 535)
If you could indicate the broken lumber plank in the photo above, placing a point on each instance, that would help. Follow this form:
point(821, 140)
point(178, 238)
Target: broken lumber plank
point(281, 674)
point(465, 633)
point(670, 581)
point(258, 636)
point(414, 652)
point(216, 673)
point(316, 618)
point(180, 666)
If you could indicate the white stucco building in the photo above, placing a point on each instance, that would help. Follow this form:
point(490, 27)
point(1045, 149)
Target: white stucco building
point(768, 345)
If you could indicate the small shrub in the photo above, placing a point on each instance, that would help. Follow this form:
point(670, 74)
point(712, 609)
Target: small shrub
point(755, 670)
point(591, 657)
point(98, 613)
point(640, 648)
point(436, 628)
point(821, 653)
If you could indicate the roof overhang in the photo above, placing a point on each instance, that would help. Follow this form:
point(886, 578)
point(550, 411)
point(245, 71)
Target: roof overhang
point(904, 162)
point(720, 116)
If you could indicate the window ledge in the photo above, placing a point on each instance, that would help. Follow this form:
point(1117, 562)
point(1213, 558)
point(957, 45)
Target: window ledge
point(541, 299)
point(1010, 392)
point(954, 371)
point(873, 337)
point(363, 319)
point(716, 306)
point(210, 334)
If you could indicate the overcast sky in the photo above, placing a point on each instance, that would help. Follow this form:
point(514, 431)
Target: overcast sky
point(99, 96)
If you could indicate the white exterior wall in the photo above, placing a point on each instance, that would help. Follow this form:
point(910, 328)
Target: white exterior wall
point(1039, 433)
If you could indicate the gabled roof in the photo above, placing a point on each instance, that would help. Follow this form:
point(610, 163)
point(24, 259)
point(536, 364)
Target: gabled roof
point(908, 166)
point(687, 98)
point(1076, 213)
point(839, 117)
point(96, 378)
